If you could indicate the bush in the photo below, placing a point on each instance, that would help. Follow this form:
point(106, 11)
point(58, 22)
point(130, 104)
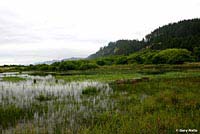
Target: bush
point(55, 64)
point(43, 67)
point(52, 68)
point(142, 57)
point(67, 65)
point(121, 60)
point(31, 67)
point(100, 62)
point(136, 58)
point(85, 66)
point(197, 53)
point(109, 60)
point(160, 59)
point(172, 56)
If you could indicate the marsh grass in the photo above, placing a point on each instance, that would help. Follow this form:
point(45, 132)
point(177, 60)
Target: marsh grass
point(90, 91)
point(43, 97)
point(168, 104)
point(13, 79)
point(76, 104)
point(49, 106)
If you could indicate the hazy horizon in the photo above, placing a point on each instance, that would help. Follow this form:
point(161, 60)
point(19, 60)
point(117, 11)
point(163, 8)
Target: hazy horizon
point(35, 31)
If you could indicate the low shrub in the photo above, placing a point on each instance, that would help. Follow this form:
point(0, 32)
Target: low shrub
point(172, 56)
point(85, 66)
point(67, 65)
point(101, 62)
point(121, 60)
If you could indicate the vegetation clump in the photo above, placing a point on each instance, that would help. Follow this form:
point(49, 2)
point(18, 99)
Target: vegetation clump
point(172, 56)
point(131, 81)
point(121, 60)
point(90, 91)
point(197, 53)
point(10, 115)
point(88, 66)
point(43, 97)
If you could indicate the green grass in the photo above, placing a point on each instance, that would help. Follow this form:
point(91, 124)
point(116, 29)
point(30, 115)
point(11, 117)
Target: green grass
point(170, 100)
point(169, 104)
point(107, 76)
point(10, 115)
point(13, 79)
point(98, 77)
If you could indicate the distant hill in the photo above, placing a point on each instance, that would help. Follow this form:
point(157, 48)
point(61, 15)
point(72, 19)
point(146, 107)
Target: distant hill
point(47, 62)
point(183, 34)
point(53, 61)
point(120, 47)
point(72, 58)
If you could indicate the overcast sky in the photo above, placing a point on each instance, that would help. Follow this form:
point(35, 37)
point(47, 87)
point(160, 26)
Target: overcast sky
point(41, 30)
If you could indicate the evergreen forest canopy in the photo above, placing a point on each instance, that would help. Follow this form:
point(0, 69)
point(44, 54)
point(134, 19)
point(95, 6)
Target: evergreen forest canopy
point(120, 47)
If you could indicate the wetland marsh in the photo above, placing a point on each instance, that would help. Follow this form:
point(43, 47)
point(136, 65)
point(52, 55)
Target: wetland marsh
point(95, 103)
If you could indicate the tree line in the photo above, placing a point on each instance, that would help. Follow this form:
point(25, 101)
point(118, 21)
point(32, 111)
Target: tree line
point(147, 56)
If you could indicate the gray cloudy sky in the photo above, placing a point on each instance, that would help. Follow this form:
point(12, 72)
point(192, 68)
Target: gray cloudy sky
point(40, 30)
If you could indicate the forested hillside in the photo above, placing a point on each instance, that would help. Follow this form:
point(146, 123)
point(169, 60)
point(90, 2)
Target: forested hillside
point(120, 47)
point(183, 34)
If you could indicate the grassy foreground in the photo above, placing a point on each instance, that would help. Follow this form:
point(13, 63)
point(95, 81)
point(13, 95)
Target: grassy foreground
point(170, 100)
point(158, 106)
